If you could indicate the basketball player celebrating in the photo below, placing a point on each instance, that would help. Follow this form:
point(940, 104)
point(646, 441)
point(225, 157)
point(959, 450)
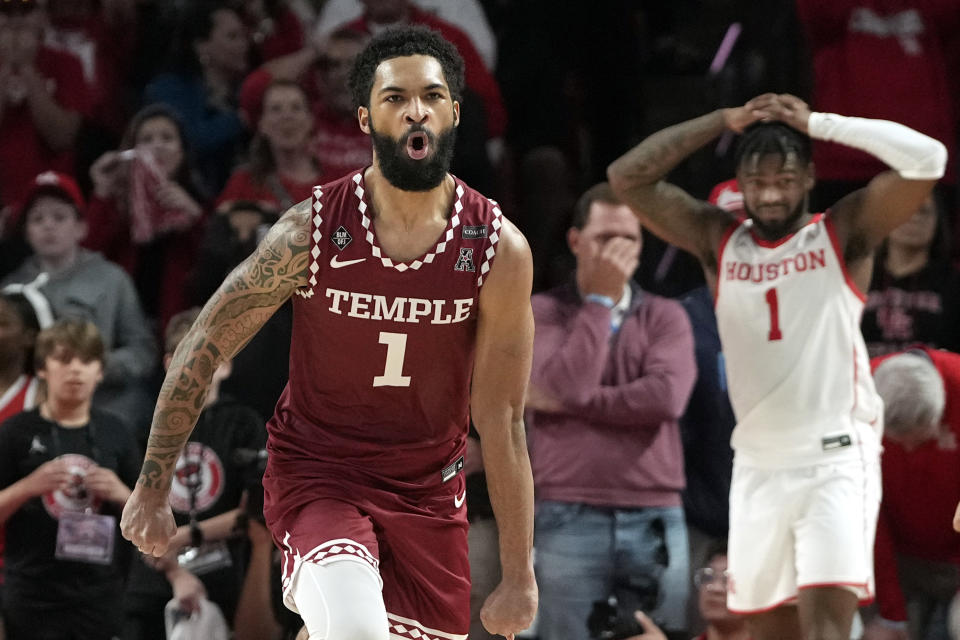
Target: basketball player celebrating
point(412, 310)
point(789, 286)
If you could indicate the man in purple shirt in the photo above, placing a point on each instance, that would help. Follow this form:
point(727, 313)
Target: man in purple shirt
point(613, 368)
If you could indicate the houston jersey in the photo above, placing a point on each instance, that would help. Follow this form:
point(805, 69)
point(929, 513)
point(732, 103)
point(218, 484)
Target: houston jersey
point(798, 374)
point(382, 351)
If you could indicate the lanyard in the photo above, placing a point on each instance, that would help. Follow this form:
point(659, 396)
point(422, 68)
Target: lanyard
point(91, 440)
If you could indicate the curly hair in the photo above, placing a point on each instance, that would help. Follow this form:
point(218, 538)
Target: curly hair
point(400, 42)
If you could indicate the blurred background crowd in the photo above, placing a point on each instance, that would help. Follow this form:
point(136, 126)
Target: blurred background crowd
point(146, 146)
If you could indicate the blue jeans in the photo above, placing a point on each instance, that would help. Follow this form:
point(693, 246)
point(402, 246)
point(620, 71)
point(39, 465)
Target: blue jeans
point(585, 554)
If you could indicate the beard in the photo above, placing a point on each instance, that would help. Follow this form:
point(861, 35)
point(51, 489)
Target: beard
point(777, 230)
point(407, 174)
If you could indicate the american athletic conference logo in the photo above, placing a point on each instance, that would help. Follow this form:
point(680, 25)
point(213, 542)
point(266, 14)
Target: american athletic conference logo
point(76, 497)
point(465, 261)
point(199, 472)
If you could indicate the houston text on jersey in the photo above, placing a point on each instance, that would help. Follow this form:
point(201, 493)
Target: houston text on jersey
point(766, 271)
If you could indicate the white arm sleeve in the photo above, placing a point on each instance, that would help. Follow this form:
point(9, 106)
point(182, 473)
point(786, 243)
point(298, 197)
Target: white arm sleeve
point(913, 155)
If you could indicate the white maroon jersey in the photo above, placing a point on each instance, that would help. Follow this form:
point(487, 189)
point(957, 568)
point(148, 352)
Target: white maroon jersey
point(383, 350)
point(797, 367)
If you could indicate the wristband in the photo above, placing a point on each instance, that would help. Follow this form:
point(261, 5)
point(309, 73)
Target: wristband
point(604, 301)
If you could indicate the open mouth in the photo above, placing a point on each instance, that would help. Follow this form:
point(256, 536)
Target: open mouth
point(418, 145)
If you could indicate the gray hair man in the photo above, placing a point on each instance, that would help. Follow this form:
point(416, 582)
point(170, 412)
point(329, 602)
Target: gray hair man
point(916, 553)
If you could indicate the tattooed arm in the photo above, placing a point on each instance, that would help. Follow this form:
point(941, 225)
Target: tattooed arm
point(637, 178)
point(242, 304)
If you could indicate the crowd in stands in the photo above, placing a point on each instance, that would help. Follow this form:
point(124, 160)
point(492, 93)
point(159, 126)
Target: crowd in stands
point(147, 146)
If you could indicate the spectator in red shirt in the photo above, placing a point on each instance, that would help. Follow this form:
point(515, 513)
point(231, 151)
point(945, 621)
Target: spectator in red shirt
point(917, 555)
point(151, 175)
point(102, 37)
point(339, 143)
point(43, 98)
point(282, 168)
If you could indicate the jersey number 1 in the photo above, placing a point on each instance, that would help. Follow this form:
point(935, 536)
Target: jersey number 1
point(774, 306)
point(393, 370)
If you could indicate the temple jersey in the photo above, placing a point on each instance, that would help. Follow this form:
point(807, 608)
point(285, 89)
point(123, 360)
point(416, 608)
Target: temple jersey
point(798, 373)
point(383, 351)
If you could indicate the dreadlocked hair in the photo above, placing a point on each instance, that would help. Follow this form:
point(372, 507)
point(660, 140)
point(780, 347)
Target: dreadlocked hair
point(773, 138)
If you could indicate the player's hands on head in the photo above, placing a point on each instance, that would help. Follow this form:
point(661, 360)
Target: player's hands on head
point(739, 118)
point(791, 111)
point(511, 607)
point(147, 521)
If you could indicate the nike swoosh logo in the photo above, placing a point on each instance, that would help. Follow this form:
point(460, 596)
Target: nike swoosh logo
point(458, 500)
point(336, 264)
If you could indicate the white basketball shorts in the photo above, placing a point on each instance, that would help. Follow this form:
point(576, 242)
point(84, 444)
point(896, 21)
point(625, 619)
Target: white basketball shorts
point(803, 527)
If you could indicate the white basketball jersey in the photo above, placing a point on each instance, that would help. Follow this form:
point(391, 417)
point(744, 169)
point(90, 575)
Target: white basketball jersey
point(797, 367)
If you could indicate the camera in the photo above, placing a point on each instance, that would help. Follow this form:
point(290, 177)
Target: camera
point(608, 621)
point(612, 619)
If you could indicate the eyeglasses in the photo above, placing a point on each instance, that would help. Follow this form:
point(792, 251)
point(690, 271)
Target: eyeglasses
point(708, 577)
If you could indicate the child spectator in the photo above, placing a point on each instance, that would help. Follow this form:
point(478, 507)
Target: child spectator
point(81, 284)
point(65, 473)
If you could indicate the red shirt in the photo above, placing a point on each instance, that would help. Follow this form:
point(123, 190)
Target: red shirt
point(285, 38)
point(23, 152)
point(476, 75)
point(921, 490)
point(241, 186)
point(105, 49)
point(21, 396)
point(874, 61)
point(340, 144)
point(173, 254)
point(382, 352)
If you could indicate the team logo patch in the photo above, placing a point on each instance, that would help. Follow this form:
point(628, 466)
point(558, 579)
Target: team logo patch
point(465, 261)
point(200, 473)
point(473, 232)
point(341, 237)
point(75, 497)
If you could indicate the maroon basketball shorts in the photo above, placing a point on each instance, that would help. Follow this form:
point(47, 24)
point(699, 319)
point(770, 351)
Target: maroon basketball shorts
point(415, 540)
